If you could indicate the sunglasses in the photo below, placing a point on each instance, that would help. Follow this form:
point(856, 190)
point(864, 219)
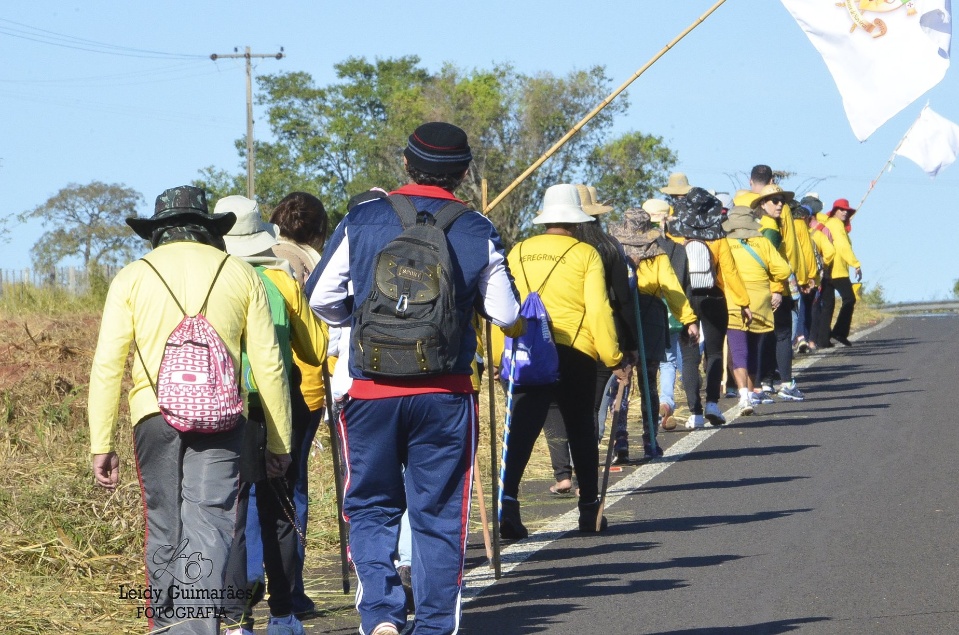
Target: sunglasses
point(777, 201)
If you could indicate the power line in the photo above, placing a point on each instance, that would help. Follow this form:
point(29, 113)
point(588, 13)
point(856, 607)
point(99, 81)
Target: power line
point(62, 40)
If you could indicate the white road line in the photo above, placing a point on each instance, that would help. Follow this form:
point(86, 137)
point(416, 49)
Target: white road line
point(481, 578)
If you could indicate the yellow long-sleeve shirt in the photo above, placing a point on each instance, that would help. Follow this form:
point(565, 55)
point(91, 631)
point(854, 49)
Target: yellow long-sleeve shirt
point(845, 257)
point(655, 276)
point(805, 252)
point(138, 305)
point(575, 294)
point(309, 337)
point(791, 248)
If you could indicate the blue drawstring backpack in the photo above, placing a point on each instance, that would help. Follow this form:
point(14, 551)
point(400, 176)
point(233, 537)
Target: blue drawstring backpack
point(532, 359)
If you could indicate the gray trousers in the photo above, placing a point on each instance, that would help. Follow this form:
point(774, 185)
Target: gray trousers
point(189, 484)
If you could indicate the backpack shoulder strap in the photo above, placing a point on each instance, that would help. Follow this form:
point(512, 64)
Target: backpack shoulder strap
point(215, 276)
point(404, 208)
point(753, 253)
point(445, 216)
point(169, 290)
point(553, 268)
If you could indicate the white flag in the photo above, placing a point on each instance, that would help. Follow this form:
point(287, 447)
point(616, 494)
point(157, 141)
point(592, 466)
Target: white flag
point(882, 54)
point(932, 142)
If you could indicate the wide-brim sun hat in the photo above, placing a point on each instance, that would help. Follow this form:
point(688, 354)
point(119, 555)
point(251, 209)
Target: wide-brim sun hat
point(588, 201)
point(637, 235)
point(769, 192)
point(179, 206)
point(842, 203)
point(561, 204)
point(740, 223)
point(250, 235)
point(657, 209)
point(676, 185)
point(699, 215)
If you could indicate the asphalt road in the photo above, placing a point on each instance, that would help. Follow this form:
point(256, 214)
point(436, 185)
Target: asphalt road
point(836, 515)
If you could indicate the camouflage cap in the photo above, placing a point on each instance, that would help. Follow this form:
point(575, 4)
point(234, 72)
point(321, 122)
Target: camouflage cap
point(182, 205)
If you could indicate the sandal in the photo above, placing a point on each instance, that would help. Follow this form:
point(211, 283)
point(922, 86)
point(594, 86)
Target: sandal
point(556, 490)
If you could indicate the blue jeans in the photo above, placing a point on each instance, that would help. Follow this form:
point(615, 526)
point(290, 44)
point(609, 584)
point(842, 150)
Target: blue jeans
point(668, 369)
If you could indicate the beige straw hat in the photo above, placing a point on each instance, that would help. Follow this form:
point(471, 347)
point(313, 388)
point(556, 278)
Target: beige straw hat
point(677, 185)
point(587, 197)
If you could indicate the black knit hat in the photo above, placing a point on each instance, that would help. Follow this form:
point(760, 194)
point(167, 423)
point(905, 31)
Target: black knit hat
point(438, 148)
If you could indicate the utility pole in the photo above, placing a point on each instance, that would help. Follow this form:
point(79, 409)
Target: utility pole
point(249, 107)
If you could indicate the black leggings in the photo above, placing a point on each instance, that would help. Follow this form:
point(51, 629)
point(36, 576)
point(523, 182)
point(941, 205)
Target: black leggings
point(555, 430)
point(844, 319)
point(713, 320)
point(570, 400)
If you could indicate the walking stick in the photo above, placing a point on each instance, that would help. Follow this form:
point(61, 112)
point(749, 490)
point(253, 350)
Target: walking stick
point(478, 482)
point(494, 483)
point(338, 482)
point(507, 423)
point(622, 396)
point(605, 405)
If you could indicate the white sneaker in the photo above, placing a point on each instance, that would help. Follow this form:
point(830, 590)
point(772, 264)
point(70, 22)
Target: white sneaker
point(695, 421)
point(745, 406)
point(714, 414)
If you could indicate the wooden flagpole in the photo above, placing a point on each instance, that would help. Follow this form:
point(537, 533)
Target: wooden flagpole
point(569, 135)
point(892, 157)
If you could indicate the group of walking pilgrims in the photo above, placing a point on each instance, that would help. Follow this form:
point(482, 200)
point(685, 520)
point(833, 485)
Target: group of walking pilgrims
point(732, 286)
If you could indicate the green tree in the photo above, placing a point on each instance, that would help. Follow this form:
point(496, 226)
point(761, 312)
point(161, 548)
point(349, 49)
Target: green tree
point(955, 289)
point(88, 222)
point(626, 170)
point(874, 296)
point(341, 139)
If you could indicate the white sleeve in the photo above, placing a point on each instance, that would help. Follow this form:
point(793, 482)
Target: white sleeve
point(328, 299)
point(499, 296)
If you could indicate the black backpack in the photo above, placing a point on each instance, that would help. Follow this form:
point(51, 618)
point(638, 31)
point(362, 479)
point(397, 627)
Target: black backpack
point(408, 325)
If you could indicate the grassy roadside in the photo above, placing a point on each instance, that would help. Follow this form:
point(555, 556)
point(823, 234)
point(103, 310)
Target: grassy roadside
point(65, 545)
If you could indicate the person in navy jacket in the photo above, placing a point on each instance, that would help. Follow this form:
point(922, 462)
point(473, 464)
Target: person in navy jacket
point(427, 426)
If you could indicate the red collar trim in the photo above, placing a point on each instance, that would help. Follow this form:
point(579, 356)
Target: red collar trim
point(429, 191)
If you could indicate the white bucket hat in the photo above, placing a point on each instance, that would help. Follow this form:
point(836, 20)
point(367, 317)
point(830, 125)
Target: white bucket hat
point(561, 204)
point(250, 235)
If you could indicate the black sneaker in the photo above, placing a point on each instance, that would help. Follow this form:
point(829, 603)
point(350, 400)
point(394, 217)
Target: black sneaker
point(406, 579)
point(648, 451)
point(587, 518)
point(842, 340)
point(510, 525)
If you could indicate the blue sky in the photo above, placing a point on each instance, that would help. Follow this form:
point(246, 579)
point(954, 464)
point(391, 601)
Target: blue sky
point(745, 87)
